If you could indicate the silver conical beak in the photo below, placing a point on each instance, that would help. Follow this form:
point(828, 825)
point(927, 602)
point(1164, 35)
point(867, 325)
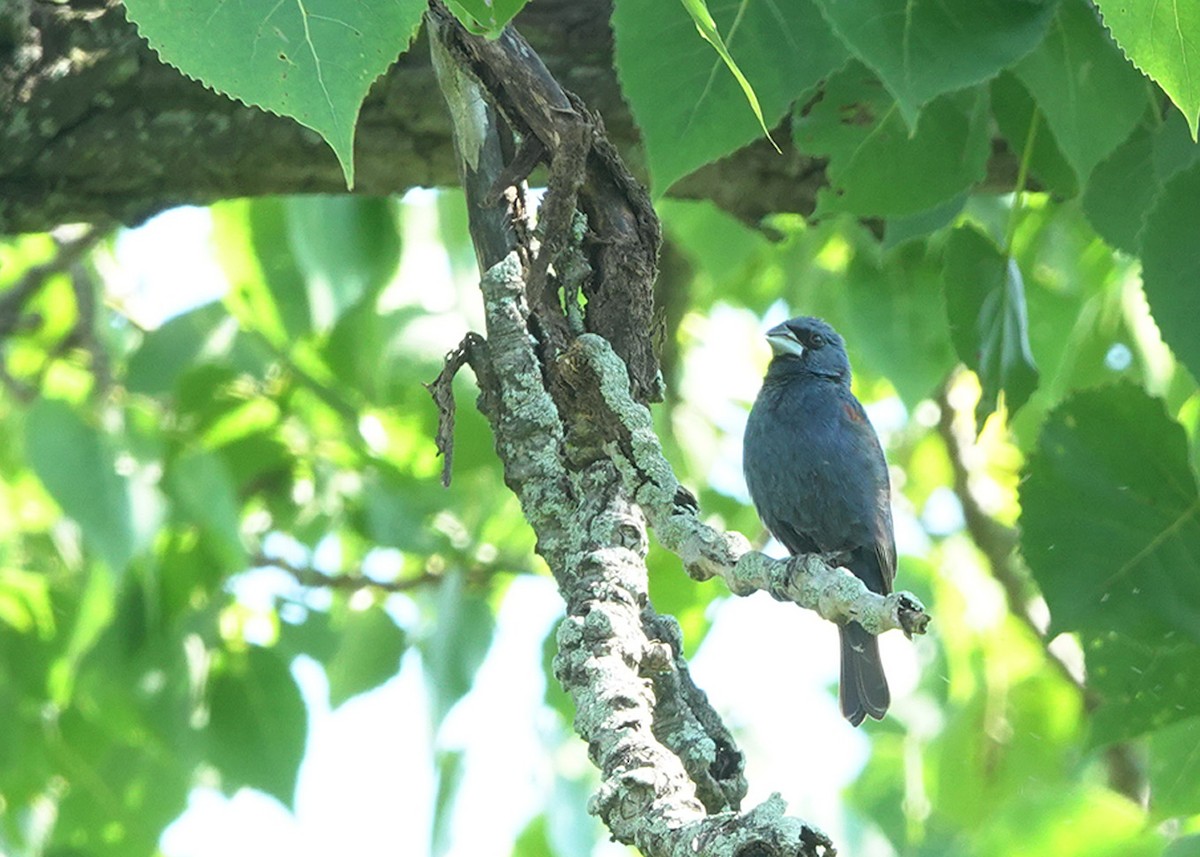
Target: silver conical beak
point(783, 341)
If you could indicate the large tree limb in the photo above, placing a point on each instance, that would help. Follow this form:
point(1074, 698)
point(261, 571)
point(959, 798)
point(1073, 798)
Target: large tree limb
point(671, 772)
point(619, 236)
point(593, 539)
point(93, 127)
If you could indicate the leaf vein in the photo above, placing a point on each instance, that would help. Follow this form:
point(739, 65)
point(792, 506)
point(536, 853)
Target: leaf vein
point(1153, 544)
point(304, 18)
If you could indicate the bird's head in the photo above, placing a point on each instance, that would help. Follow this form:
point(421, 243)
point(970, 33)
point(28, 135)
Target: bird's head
point(808, 345)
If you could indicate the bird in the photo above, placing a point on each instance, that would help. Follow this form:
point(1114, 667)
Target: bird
point(819, 481)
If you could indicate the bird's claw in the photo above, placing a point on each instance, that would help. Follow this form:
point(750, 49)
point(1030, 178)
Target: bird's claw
point(911, 615)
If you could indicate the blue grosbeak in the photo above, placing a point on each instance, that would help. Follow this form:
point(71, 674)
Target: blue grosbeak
point(818, 478)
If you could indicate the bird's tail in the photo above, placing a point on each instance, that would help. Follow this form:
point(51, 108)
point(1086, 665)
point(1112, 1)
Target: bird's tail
point(864, 688)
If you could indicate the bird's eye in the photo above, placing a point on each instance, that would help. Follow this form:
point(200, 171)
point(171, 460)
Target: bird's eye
point(816, 340)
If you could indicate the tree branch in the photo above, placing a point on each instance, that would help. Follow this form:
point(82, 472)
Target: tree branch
point(77, 80)
point(73, 244)
point(315, 578)
point(671, 772)
point(622, 236)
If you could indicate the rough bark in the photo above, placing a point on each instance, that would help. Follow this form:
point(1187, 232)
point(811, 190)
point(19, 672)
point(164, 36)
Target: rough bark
point(93, 127)
point(578, 449)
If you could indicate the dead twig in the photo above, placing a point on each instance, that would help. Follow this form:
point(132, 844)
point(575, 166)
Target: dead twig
point(442, 390)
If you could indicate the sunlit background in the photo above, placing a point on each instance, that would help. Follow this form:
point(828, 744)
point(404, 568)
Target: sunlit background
point(442, 759)
point(368, 782)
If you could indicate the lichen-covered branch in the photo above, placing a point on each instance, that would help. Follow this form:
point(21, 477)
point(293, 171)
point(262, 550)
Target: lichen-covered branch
point(671, 773)
point(586, 174)
point(529, 434)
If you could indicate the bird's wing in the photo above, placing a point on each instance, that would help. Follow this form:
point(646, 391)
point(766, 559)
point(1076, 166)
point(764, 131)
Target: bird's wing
point(795, 541)
point(881, 525)
point(885, 541)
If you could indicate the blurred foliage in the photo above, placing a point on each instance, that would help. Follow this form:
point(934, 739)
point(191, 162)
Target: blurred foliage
point(292, 408)
point(152, 475)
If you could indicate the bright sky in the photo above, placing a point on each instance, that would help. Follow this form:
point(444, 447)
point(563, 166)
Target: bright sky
point(366, 784)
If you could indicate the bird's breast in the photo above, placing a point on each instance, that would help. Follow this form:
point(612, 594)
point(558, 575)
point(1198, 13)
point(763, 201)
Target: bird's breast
point(808, 468)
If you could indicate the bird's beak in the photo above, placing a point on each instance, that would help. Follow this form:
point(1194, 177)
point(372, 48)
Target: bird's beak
point(783, 341)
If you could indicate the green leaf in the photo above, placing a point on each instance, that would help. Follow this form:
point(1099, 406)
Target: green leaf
point(1076, 324)
point(93, 616)
point(1061, 818)
point(1170, 259)
point(903, 228)
point(1187, 846)
point(1142, 686)
point(725, 253)
point(1027, 769)
point(1159, 38)
point(486, 17)
point(395, 514)
point(895, 306)
point(370, 646)
point(1121, 190)
point(298, 263)
point(1110, 527)
point(120, 787)
point(1014, 110)
point(1174, 770)
point(370, 353)
point(257, 723)
point(78, 466)
point(689, 109)
point(204, 334)
point(260, 462)
point(25, 602)
point(707, 27)
point(921, 48)
point(185, 575)
point(1174, 149)
point(455, 648)
point(898, 307)
point(268, 291)
point(985, 300)
point(876, 167)
point(311, 634)
point(203, 491)
point(534, 840)
point(450, 770)
point(1090, 96)
point(346, 247)
point(313, 60)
